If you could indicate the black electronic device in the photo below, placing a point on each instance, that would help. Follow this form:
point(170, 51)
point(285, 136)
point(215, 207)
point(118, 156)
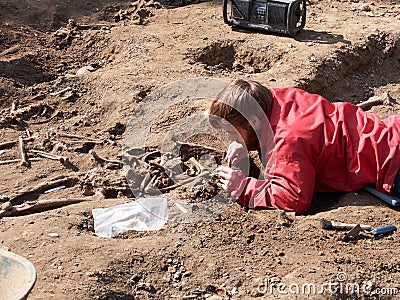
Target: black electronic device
point(279, 16)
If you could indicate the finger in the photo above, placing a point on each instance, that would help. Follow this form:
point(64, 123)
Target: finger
point(224, 183)
point(231, 159)
point(223, 170)
point(234, 162)
point(223, 176)
point(232, 150)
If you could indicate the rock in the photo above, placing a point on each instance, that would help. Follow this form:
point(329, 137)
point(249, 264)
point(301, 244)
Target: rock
point(188, 297)
point(6, 206)
point(250, 238)
point(187, 274)
point(214, 297)
point(86, 70)
point(177, 276)
point(53, 234)
point(364, 7)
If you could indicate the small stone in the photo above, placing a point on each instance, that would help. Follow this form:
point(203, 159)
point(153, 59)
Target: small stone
point(188, 297)
point(53, 234)
point(370, 14)
point(86, 70)
point(364, 7)
point(214, 297)
point(187, 274)
point(251, 238)
point(177, 276)
point(6, 206)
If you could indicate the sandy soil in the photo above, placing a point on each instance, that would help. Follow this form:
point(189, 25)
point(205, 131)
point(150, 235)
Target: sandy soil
point(71, 75)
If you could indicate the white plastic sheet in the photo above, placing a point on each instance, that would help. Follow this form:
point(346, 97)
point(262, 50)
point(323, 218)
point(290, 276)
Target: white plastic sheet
point(140, 215)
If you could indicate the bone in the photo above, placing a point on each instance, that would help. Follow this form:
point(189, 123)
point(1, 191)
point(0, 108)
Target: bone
point(198, 167)
point(32, 110)
point(145, 182)
point(41, 187)
point(85, 141)
point(72, 136)
point(94, 26)
point(151, 155)
point(41, 111)
point(61, 159)
point(14, 107)
point(185, 181)
point(187, 150)
point(157, 165)
point(81, 139)
point(39, 96)
point(55, 114)
point(385, 99)
point(150, 188)
point(13, 161)
point(24, 157)
point(10, 50)
point(39, 206)
point(103, 160)
point(199, 146)
point(61, 91)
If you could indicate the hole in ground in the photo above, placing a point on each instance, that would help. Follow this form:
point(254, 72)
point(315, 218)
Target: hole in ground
point(220, 54)
point(25, 70)
point(232, 56)
point(354, 74)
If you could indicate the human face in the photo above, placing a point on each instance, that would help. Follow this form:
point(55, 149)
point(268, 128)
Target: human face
point(243, 134)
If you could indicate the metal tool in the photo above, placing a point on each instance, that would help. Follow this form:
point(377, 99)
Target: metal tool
point(326, 224)
point(355, 231)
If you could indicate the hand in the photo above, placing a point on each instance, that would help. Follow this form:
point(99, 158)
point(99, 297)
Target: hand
point(229, 178)
point(236, 152)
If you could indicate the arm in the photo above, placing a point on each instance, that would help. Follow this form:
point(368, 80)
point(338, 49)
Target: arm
point(290, 188)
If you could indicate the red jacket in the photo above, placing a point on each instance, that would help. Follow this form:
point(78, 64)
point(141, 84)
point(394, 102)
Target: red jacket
point(322, 147)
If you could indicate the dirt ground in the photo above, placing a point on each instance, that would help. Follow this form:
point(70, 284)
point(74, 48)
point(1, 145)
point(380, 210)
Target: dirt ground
point(71, 75)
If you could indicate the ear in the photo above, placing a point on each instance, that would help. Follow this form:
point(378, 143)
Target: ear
point(255, 122)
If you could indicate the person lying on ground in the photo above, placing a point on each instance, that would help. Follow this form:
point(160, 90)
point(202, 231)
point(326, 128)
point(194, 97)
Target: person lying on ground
point(316, 146)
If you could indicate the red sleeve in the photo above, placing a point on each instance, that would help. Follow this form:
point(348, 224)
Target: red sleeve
point(291, 188)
